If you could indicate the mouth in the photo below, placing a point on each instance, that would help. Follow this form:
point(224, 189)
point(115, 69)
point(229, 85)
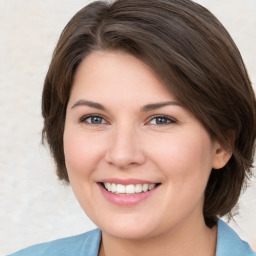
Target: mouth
point(130, 189)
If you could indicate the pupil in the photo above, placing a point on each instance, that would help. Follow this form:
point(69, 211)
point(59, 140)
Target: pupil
point(161, 120)
point(96, 120)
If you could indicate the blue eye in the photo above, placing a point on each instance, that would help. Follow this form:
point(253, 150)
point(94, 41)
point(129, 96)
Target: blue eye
point(93, 119)
point(161, 120)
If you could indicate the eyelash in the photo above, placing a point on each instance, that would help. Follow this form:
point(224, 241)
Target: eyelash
point(168, 120)
point(84, 119)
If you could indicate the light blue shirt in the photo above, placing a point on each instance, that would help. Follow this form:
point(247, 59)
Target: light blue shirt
point(87, 244)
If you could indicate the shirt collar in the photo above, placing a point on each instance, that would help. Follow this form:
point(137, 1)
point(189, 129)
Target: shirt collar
point(229, 243)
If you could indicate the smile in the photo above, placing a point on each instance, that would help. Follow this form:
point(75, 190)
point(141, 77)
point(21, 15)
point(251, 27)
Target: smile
point(128, 189)
point(126, 193)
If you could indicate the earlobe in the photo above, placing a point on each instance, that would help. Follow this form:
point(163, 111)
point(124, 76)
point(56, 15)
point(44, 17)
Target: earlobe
point(221, 156)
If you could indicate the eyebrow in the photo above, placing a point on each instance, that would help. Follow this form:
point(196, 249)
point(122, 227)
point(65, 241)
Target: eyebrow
point(89, 104)
point(154, 106)
point(145, 108)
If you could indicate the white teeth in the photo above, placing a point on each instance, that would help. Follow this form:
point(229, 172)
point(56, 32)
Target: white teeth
point(128, 189)
point(120, 189)
point(151, 186)
point(138, 188)
point(145, 187)
point(108, 186)
point(113, 188)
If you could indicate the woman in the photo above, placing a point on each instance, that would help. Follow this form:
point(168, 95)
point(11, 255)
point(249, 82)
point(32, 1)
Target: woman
point(150, 116)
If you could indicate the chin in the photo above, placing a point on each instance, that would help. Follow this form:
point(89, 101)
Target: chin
point(127, 230)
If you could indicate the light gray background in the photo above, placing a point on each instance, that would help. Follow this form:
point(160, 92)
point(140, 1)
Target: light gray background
point(34, 205)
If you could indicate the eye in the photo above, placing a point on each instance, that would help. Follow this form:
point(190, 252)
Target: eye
point(161, 120)
point(93, 119)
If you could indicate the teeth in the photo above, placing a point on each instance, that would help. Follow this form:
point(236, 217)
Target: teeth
point(128, 189)
point(108, 186)
point(138, 188)
point(113, 187)
point(120, 189)
point(151, 186)
point(145, 187)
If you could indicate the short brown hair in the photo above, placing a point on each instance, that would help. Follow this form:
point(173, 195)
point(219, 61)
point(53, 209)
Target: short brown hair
point(191, 52)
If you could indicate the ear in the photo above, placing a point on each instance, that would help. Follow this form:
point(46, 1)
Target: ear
point(222, 153)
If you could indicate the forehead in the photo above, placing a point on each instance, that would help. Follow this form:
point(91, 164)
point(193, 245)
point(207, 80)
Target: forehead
point(117, 74)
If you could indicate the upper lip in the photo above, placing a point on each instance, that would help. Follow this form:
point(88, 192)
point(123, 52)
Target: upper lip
point(127, 181)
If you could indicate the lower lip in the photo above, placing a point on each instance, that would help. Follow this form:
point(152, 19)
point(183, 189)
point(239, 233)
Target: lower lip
point(124, 199)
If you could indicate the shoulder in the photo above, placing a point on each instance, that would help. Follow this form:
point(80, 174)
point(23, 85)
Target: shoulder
point(230, 244)
point(84, 244)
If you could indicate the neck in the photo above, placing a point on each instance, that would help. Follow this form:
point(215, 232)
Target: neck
point(192, 239)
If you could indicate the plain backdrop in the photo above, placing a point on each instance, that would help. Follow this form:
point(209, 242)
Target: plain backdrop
point(35, 206)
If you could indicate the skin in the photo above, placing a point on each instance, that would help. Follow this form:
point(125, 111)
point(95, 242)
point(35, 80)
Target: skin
point(127, 141)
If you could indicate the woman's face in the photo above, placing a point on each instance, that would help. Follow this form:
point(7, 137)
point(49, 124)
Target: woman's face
point(126, 132)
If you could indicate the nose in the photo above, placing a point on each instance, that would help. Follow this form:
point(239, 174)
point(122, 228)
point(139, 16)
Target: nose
point(124, 150)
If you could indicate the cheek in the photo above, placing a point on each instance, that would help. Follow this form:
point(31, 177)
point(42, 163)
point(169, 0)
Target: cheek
point(185, 162)
point(82, 153)
point(181, 156)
